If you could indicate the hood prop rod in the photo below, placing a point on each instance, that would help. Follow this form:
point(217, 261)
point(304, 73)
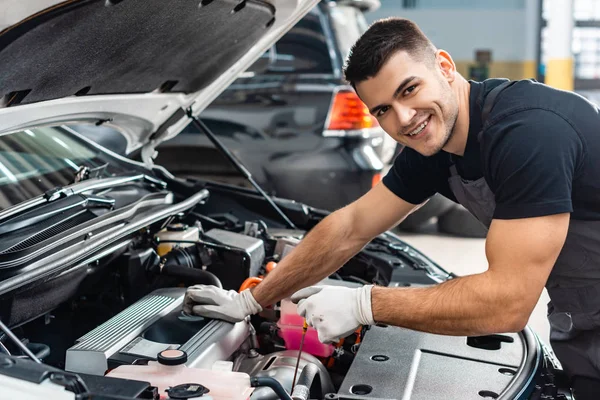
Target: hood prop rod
point(238, 165)
point(19, 344)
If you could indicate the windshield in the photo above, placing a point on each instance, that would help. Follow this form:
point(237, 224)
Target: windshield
point(36, 160)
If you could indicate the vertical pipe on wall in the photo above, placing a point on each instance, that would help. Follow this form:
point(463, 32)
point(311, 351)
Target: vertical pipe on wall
point(538, 46)
point(559, 67)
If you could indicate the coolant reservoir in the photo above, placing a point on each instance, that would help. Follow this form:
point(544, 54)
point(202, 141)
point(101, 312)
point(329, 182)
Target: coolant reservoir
point(176, 232)
point(290, 329)
point(170, 374)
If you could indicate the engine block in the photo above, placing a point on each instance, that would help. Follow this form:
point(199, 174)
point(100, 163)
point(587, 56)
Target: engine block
point(152, 324)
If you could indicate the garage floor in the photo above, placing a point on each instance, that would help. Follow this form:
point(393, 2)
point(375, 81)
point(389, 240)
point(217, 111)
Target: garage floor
point(467, 256)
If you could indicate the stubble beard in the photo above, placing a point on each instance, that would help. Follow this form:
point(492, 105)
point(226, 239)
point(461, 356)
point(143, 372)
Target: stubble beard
point(450, 104)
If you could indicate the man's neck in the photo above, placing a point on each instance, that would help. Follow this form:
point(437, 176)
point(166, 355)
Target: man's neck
point(458, 140)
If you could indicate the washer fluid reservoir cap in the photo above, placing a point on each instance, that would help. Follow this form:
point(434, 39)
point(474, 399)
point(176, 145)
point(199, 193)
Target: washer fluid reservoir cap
point(172, 357)
point(179, 227)
point(187, 391)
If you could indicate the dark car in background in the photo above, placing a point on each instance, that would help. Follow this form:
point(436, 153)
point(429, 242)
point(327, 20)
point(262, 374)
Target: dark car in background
point(298, 128)
point(302, 132)
point(292, 120)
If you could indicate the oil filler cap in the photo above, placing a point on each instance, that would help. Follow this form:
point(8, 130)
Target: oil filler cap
point(187, 391)
point(172, 357)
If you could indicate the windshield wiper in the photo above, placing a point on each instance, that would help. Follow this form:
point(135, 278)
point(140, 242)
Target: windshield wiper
point(51, 209)
point(84, 172)
point(76, 188)
point(238, 165)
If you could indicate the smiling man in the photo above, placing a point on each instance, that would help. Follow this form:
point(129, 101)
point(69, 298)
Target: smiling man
point(521, 156)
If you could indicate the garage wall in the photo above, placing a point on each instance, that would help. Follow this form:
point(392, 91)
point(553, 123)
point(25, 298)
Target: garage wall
point(505, 28)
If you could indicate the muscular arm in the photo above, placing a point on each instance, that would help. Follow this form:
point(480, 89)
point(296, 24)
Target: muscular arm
point(332, 242)
point(521, 254)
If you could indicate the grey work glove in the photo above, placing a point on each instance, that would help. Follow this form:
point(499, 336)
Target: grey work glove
point(212, 302)
point(334, 311)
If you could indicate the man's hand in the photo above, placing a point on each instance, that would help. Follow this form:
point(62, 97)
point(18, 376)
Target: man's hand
point(335, 312)
point(212, 302)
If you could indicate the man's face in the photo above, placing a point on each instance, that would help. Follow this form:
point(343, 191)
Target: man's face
point(413, 101)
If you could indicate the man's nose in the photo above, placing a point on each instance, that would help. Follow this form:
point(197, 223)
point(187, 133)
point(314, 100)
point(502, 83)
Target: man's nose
point(405, 115)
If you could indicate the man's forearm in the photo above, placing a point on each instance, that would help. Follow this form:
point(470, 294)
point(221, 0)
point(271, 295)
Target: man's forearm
point(470, 305)
point(324, 250)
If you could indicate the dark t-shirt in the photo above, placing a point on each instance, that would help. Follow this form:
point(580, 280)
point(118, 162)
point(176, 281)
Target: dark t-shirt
point(539, 153)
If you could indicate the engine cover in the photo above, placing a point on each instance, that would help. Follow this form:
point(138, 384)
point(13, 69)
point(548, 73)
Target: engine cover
point(396, 363)
point(153, 324)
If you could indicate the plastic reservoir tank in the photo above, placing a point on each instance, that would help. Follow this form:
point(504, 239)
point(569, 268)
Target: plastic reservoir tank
point(176, 232)
point(170, 372)
point(290, 329)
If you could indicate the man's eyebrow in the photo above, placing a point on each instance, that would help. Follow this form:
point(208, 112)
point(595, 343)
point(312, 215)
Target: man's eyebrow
point(398, 90)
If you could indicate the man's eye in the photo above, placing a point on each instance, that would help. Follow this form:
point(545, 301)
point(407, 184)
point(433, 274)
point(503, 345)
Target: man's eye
point(382, 111)
point(409, 90)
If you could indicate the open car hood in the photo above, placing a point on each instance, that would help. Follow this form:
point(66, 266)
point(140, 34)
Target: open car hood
point(137, 65)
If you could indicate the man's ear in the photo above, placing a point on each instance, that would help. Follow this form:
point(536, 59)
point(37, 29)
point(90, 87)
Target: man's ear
point(446, 64)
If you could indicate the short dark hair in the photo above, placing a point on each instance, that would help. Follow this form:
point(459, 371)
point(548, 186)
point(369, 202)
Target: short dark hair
point(383, 39)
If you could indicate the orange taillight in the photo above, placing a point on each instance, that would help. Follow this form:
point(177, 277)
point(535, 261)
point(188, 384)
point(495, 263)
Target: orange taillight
point(348, 112)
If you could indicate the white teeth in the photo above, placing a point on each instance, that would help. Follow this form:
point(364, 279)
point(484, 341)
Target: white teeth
point(419, 129)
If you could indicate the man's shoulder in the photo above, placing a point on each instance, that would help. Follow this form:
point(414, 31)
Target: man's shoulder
point(532, 99)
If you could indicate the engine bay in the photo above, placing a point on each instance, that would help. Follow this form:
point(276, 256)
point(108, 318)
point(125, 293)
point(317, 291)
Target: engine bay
point(120, 316)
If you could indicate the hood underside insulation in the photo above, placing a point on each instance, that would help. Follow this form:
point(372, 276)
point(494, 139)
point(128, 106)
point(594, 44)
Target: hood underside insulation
point(88, 47)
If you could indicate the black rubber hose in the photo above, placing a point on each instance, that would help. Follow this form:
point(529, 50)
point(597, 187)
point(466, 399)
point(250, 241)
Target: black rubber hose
point(308, 374)
point(40, 350)
point(18, 343)
point(241, 252)
point(198, 276)
point(181, 262)
point(305, 381)
point(265, 381)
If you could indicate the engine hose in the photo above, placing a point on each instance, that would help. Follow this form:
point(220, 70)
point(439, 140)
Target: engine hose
point(305, 381)
point(241, 252)
point(181, 263)
point(192, 274)
point(264, 381)
point(18, 343)
point(250, 283)
point(40, 350)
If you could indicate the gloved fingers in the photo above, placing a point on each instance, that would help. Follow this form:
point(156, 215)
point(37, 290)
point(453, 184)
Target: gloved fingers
point(201, 298)
point(308, 321)
point(188, 303)
point(326, 339)
point(323, 333)
point(198, 286)
point(187, 306)
point(213, 312)
point(206, 289)
point(327, 335)
point(301, 309)
point(206, 311)
point(305, 293)
point(210, 295)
